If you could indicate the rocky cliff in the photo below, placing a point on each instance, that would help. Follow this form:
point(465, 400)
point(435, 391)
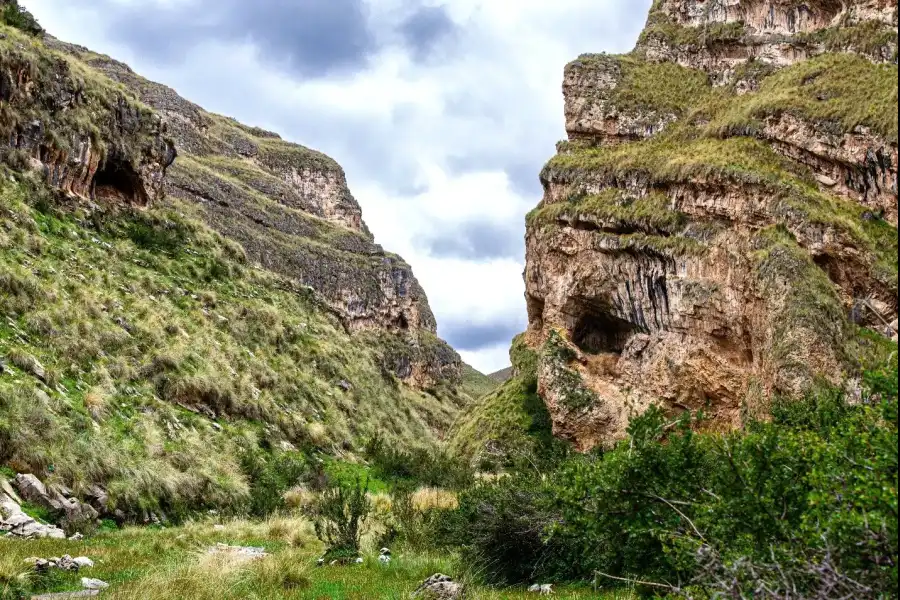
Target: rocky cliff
point(721, 224)
point(100, 132)
point(192, 311)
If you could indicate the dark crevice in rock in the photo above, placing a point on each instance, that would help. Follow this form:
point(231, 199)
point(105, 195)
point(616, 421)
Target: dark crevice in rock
point(117, 181)
point(598, 332)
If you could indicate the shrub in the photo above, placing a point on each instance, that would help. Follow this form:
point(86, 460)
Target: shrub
point(806, 499)
point(271, 475)
point(15, 16)
point(339, 514)
point(435, 468)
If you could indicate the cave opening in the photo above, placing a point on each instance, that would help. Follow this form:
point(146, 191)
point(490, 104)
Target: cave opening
point(601, 333)
point(117, 181)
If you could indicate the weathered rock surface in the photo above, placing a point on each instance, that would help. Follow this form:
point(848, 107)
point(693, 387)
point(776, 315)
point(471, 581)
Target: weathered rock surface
point(439, 587)
point(722, 217)
point(90, 141)
point(14, 522)
point(58, 500)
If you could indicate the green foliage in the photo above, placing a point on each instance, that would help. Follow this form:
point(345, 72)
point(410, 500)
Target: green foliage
point(339, 513)
point(811, 490)
point(425, 467)
point(271, 474)
point(509, 429)
point(499, 530)
point(15, 16)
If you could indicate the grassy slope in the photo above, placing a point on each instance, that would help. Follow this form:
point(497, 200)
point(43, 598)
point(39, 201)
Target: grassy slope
point(150, 564)
point(476, 384)
point(138, 317)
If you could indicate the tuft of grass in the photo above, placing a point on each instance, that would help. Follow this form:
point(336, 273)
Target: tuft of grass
point(836, 91)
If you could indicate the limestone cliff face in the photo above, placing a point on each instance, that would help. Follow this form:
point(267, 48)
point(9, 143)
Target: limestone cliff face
point(723, 217)
point(100, 132)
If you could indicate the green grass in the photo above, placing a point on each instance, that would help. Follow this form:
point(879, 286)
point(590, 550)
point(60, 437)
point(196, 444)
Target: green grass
point(476, 384)
point(172, 564)
point(644, 87)
point(154, 333)
point(836, 91)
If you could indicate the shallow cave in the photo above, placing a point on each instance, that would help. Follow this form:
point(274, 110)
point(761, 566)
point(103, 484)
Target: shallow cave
point(601, 333)
point(117, 181)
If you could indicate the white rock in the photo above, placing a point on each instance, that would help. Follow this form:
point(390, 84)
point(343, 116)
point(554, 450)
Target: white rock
point(93, 584)
point(83, 562)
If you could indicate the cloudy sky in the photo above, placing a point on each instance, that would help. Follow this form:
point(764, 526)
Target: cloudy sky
point(442, 113)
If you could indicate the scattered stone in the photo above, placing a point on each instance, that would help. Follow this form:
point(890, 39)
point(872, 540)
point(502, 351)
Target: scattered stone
point(66, 563)
point(241, 553)
point(440, 587)
point(544, 589)
point(359, 560)
point(345, 385)
point(320, 562)
point(93, 584)
point(384, 556)
point(83, 562)
point(825, 180)
point(76, 537)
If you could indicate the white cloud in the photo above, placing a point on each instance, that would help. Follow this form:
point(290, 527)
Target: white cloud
point(427, 146)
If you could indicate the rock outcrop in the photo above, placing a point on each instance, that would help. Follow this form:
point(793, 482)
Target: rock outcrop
point(100, 132)
point(723, 217)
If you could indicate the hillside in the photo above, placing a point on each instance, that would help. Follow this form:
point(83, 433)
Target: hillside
point(720, 226)
point(186, 299)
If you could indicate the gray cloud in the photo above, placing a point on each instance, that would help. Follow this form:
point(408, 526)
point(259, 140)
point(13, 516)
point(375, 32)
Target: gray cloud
point(309, 38)
point(425, 29)
point(470, 337)
point(477, 240)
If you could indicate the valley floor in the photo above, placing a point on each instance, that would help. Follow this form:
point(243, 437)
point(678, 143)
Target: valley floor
point(175, 563)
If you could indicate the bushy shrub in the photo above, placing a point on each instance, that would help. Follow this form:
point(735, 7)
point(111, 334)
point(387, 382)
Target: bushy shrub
point(501, 531)
point(271, 475)
point(806, 497)
point(15, 16)
point(338, 515)
point(434, 468)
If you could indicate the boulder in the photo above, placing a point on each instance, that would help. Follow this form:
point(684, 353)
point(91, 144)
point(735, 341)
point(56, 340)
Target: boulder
point(14, 522)
point(440, 587)
point(72, 511)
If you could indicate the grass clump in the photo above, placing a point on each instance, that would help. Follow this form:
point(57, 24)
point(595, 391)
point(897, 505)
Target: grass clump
point(836, 91)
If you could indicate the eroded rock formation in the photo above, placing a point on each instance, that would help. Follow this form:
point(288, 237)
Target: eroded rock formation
point(723, 217)
point(99, 131)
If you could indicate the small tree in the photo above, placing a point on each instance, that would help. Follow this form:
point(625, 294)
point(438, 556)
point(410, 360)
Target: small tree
point(339, 515)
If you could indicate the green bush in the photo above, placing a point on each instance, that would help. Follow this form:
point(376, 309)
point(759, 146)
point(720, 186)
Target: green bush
point(434, 468)
point(501, 530)
point(338, 515)
point(807, 498)
point(15, 16)
point(270, 476)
